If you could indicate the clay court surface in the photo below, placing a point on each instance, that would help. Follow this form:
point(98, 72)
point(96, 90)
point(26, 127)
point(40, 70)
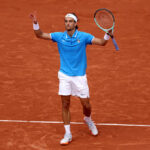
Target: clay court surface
point(119, 81)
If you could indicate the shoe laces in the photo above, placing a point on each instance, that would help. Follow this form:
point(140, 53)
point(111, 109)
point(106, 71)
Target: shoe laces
point(67, 136)
point(90, 124)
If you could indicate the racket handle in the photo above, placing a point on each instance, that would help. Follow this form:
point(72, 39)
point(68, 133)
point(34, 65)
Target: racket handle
point(115, 43)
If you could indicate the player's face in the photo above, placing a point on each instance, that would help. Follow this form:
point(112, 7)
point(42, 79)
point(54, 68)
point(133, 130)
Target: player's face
point(70, 24)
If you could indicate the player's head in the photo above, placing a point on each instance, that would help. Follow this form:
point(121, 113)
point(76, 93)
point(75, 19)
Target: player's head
point(71, 20)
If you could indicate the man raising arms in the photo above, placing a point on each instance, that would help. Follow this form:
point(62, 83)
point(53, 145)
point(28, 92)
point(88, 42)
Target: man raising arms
point(72, 73)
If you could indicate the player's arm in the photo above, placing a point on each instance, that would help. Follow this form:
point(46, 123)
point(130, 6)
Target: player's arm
point(103, 41)
point(38, 32)
point(42, 35)
point(98, 41)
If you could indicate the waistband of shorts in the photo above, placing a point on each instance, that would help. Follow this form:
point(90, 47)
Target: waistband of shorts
point(60, 72)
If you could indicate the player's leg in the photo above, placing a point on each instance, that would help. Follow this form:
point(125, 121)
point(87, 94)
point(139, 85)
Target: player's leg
point(80, 88)
point(86, 106)
point(65, 92)
point(66, 119)
point(87, 115)
point(65, 109)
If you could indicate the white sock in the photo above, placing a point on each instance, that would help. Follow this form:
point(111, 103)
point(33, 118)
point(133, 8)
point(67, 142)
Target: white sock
point(88, 118)
point(67, 129)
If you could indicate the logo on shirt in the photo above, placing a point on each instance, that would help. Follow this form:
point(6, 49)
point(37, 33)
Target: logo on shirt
point(78, 40)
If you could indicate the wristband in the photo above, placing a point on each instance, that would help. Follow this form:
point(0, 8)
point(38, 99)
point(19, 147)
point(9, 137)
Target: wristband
point(36, 26)
point(106, 36)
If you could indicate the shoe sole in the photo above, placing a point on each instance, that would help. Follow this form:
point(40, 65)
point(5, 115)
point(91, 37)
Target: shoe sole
point(94, 134)
point(64, 144)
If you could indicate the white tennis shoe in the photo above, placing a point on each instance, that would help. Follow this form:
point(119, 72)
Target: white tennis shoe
point(91, 126)
point(66, 140)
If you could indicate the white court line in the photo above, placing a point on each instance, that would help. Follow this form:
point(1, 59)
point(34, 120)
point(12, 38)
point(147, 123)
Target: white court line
point(60, 122)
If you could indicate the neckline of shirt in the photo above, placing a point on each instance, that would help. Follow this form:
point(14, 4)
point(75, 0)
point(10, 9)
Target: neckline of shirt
point(73, 36)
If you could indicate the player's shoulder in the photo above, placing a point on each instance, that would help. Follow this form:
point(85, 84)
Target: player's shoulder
point(56, 34)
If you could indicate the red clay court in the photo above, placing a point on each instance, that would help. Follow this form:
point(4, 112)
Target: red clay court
point(119, 81)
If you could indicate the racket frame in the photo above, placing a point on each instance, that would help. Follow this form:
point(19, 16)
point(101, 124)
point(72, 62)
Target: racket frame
point(107, 30)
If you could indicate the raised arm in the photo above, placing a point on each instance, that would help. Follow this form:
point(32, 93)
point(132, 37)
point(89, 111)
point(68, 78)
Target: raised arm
point(38, 32)
point(99, 41)
point(102, 41)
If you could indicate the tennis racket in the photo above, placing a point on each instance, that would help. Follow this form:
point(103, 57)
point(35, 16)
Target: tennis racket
point(105, 20)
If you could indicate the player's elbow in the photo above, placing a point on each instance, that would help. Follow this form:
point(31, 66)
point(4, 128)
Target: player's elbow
point(38, 33)
point(104, 42)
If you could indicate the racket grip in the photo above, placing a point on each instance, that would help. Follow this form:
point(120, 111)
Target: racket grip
point(115, 43)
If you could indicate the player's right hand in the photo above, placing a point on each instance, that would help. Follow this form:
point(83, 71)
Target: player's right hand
point(33, 17)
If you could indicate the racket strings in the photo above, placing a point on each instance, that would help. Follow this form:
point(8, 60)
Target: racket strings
point(104, 19)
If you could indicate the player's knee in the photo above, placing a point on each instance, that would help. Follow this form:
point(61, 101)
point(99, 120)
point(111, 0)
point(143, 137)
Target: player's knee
point(87, 105)
point(65, 102)
point(66, 105)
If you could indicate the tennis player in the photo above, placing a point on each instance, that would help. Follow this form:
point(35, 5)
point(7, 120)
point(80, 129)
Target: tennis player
point(73, 63)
